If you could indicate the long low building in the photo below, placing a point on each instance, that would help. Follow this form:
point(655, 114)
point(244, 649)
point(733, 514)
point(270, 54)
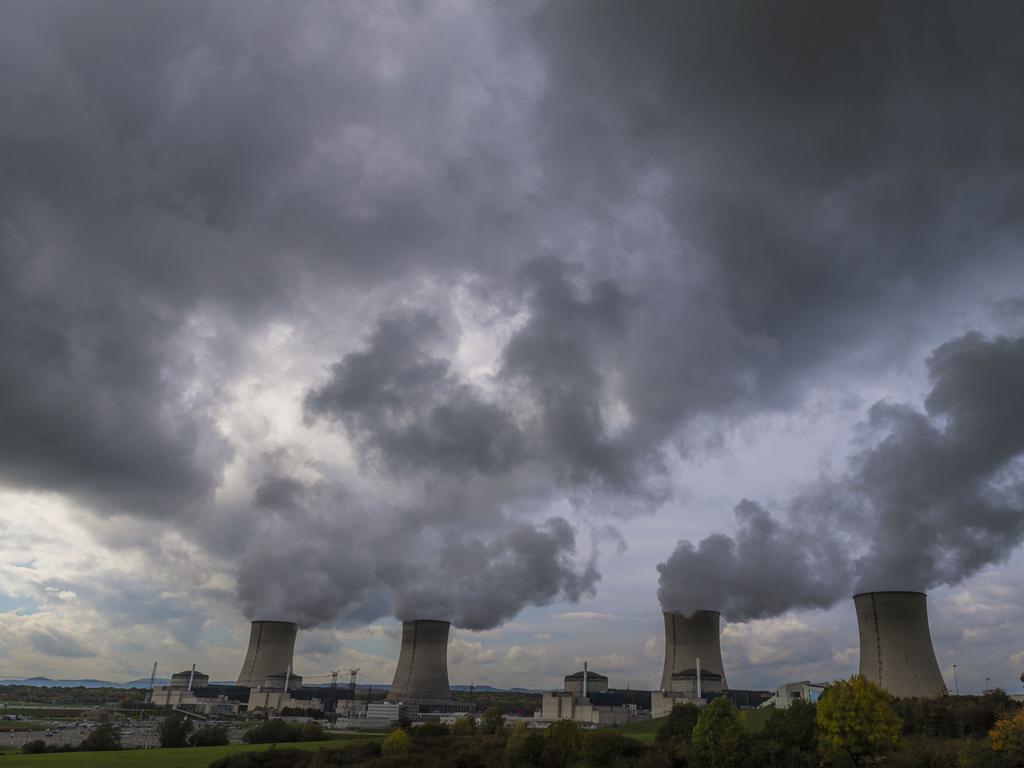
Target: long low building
point(586, 699)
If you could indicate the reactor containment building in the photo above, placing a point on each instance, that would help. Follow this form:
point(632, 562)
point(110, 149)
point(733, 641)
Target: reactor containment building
point(896, 645)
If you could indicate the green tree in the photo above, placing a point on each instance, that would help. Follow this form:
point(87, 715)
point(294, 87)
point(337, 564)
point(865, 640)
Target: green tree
point(492, 721)
point(34, 747)
point(464, 726)
point(678, 726)
point(856, 718)
point(790, 737)
point(562, 743)
point(271, 732)
point(174, 730)
point(397, 742)
point(604, 748)
point(523, 748)
point(718, 736)
point(102, 739)
point(1008, 738)
point(210, 736)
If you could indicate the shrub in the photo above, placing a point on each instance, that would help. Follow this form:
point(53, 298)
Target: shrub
point(174, 730)
point(678, 726)
point(789, 738)
point(103, 738)
point(396, 743)
point(34, 747)
point(210, 736)
point(272, 732)
point(856, 718)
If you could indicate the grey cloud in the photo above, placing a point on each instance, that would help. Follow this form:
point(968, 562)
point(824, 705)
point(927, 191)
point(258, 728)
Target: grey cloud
point(56, 642)
point(933, 498)
point(449, 558)
point(736, 194)
point(406, 406)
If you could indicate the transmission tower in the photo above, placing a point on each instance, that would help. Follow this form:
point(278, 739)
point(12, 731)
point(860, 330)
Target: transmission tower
point(352, 681)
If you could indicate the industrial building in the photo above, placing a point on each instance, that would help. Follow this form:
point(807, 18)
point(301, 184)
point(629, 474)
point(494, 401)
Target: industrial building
point(785, 695)
point(896, 650)
point(693, 660)
point(191, 691)
point(587, 700)
point(421, 677)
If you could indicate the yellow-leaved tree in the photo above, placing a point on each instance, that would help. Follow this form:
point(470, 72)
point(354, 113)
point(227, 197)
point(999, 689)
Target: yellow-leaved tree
point(1008, 738)
point(396, 743)
point(856, 718)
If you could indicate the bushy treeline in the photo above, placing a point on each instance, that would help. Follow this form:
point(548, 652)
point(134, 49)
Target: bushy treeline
point(131, 698)
point(855, 724)
point(281, 732)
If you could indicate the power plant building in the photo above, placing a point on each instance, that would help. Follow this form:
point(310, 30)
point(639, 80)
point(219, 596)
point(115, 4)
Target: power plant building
point(587, 700)
point(693, 665)
point(896, 650)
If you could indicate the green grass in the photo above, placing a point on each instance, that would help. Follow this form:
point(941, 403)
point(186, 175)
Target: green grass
point(188, 757)
point(644, 731)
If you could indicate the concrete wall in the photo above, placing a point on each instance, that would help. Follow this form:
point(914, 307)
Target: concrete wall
point(422, 673)
point(688, 638)
point(271, 647)
point(896, 644)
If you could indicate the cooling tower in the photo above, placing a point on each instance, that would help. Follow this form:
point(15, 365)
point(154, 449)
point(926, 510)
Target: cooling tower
point(271, 644)
point(688, 638)
point(422, 674)
point(895, 644)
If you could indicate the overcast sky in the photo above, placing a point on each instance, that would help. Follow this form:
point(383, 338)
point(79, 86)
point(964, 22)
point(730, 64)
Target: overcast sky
point(537, 317)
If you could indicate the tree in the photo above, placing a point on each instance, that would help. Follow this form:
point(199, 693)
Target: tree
point(464, 726)
point(856, 718)
point(492, 721)
point(562, 743)
point(604, 748)
point(103, 738)
point(396, 743)
point(678, 726)
point(1008, 738)
point(717, 740)
point(174, 730)
point(210, 736)
point(790, 736)
point(523, 748)
point(34, 747)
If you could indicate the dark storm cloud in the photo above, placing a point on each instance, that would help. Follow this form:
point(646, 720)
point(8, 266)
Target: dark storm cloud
point(936, 496)
point(735, 194)
point(827, 164)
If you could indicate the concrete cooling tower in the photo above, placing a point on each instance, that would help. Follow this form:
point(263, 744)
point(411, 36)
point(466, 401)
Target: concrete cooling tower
point(271, 645)
point(422, 674)
point(687, 639)
point(896, 645)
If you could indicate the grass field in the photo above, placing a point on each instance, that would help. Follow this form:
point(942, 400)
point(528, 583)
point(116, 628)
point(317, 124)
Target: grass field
point(189, 757)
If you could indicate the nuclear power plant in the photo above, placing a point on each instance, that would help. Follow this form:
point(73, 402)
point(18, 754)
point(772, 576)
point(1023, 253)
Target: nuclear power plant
point(896, 644)
point(271, 647)
point(895, 653)
point(422, 673)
